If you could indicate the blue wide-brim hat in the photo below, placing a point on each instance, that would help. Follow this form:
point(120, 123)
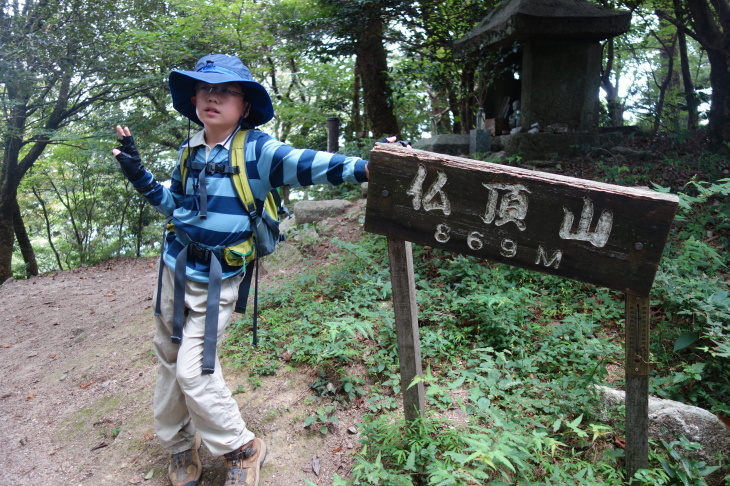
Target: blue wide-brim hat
point(217, 69)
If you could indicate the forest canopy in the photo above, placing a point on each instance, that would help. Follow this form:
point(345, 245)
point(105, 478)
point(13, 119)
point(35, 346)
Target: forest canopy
point(71, 70)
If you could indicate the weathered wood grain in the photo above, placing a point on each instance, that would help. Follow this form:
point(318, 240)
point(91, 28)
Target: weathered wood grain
point(520, 217)
point(406, 325)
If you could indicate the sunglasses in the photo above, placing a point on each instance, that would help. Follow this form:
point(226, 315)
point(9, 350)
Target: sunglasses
point(215, 89)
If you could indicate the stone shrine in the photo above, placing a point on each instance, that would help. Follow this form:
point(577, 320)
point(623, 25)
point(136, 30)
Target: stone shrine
point(559, 74)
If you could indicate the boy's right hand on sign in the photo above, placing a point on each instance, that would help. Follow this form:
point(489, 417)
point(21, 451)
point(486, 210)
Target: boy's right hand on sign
point(394, 139)
point(127, 155)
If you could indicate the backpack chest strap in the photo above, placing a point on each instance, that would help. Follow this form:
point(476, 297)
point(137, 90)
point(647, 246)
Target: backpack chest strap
point(208, 168)
point(211, 168)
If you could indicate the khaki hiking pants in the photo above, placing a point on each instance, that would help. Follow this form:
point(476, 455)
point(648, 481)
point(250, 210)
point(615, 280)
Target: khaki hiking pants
point(187, 401)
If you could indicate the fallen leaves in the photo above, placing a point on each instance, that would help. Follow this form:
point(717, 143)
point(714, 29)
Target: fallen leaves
point(139, 479)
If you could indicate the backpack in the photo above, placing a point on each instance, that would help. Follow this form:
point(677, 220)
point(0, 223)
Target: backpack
point(265, 223)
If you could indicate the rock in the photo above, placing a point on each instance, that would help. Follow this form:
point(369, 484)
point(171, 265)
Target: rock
point(630, 153)
point(306, 237)
point(77, 331)
point(449, 144)
point(668, 420)
point(297, 238)
point(557, 128)
point(311, 211)
point(480, 142)
point(532, 146)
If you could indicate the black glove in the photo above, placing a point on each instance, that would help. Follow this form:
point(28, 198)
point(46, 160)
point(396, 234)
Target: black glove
point(129, 159)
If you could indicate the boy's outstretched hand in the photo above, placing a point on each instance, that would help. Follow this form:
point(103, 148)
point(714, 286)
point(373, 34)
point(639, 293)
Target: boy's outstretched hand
point(127, 155)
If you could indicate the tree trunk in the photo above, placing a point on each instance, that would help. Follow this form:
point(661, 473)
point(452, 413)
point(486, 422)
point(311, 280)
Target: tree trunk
point(468, 80)
point(439, 123)
point(666, 54)
point(357, 125)
point(49, 233)
point(372, 63)
point(140, 226)
point(719, 116)
point(711, 21)
point(7, 237)
point(21, 235)
point(613, 102)
point(689, 88)
point(453, 99)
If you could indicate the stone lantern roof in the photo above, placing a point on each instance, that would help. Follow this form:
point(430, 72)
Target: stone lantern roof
point(524, 20)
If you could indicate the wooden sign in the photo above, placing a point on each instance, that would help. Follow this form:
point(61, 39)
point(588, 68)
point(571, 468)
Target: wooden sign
point(603, 234)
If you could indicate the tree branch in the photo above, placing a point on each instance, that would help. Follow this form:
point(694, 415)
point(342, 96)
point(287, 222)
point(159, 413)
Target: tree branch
point(680, 26)
point(722, 7)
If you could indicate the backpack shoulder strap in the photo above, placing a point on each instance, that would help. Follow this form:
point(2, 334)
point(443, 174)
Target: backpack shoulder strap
point(240, 180)
point(184, 151)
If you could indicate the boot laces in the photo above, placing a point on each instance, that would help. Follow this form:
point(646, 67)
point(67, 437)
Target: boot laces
point(242, 454)
point(181, 459)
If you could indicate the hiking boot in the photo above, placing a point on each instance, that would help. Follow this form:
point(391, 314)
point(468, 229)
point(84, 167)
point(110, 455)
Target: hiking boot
point(185, 467)
point(244, 464)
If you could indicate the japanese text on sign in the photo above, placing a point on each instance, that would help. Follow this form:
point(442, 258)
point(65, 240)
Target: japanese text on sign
point(508, 203)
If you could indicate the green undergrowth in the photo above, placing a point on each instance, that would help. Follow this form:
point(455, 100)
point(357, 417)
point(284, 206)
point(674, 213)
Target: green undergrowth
point(511, 359)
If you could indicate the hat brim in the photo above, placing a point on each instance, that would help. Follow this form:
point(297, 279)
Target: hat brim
point(182, 89)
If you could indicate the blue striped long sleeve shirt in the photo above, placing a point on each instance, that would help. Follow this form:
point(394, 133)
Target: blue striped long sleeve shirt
point(269, 164)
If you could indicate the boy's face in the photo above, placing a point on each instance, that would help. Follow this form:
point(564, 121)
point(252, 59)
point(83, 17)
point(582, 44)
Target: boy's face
point(220, 107)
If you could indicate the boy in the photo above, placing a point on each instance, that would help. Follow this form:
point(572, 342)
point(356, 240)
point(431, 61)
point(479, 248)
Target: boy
point(192, 402)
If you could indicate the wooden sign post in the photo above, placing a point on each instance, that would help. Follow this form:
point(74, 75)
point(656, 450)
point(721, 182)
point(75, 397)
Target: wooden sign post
point(598, 233)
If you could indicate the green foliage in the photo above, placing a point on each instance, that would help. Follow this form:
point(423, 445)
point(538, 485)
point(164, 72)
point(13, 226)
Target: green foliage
point(348, 190)
point(692, 298)
point(79, 209)
point(435, 451)
point(323, 419)
point(676, 465)
point(512, 359)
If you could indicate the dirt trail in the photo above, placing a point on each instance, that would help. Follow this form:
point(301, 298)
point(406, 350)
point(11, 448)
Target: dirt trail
point(77, 377)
